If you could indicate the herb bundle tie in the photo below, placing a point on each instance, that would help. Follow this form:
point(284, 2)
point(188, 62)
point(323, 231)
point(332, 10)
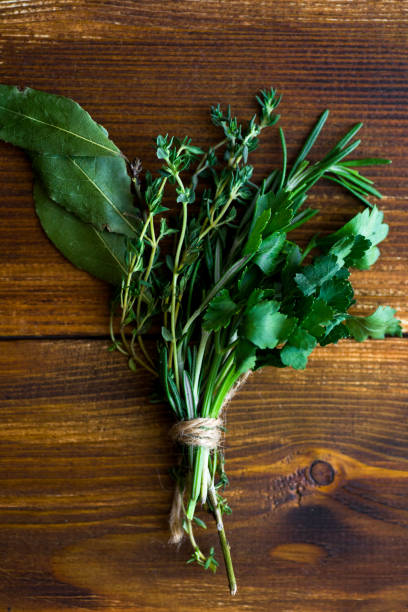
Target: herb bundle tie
point(202, 431)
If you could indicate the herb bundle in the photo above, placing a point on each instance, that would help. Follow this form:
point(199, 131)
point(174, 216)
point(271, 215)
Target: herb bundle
point(233, 295)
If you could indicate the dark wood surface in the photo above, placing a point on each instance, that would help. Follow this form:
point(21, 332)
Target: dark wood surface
point(84, 457)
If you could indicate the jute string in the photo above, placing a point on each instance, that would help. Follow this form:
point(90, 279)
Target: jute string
point(207, 433)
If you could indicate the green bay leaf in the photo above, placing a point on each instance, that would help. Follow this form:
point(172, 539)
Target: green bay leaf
point(45, 123)
point(102, 254)
point(95, 189)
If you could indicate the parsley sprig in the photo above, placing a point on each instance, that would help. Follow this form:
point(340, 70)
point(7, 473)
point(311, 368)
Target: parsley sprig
point(234, 292)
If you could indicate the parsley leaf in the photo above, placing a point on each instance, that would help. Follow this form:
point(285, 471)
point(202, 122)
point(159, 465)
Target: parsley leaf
point(338, 293)
point(334, 332)
point(268, 252)
point(265, 326)
point(368, 224)
point(297, 349)
point(377, 325)
point(313, 276)
point(319, 315)
point(219, 311)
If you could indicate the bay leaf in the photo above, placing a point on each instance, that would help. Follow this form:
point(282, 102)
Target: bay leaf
point(102, 254)
point(95, 189)
point(47, 123)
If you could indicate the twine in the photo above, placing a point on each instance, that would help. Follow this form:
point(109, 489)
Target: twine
point(202, 431)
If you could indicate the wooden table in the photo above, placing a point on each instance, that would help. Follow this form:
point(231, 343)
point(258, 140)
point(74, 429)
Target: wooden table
point(317, 459)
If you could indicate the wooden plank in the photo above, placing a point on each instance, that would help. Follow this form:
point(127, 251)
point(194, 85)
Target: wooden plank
point(209, 16)
point(317, 459)
point(319, 480)
point(143, 68)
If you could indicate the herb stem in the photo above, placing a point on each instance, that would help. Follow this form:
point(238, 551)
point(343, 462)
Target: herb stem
point(174, 291)
point(126, 306)
point(215, 222)
point(112, 335)
point(134, 356)
point(203, 163)
point(149, 223)
point(224, 372)
point(200, 356)
point(201, 458)
point(226, 550)
point(224, 388)
point(193, 541)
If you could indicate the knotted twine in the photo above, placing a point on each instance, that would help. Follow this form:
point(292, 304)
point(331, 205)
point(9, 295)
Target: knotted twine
point(202, 431)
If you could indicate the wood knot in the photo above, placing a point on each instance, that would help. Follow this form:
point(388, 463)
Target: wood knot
point(322, 473)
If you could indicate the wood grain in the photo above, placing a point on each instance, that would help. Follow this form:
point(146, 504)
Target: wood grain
point(317, 459)
point(85, 489)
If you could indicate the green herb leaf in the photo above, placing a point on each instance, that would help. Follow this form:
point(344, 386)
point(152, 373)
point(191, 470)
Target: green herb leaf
point(199, 522)
point(96, 189)
point(319, 315)
point(369, 224)
point(311, 139)
point(280, 207)
point(255, 237)
point(377, 325)
point(265, 326)
point(268, 252)
point(166, 334)
point(297, 349)
point(338, 293)
point(102, 254)
point(220, 311)
point(46, 123)
point(337, 332)
point(245, 356)
point(320, 271)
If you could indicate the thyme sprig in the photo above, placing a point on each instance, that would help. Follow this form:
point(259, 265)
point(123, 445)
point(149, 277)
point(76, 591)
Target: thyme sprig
point(234, 293)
